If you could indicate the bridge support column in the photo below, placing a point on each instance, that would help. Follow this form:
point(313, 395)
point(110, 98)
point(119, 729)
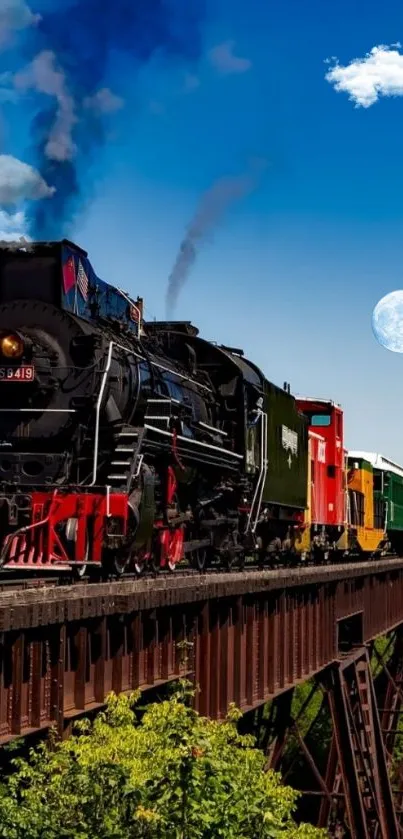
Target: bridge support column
point(278, 724)
point(389, 689)
point(352, 783)
point(357, 759)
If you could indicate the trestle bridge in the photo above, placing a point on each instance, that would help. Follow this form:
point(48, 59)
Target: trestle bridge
point(250, 638)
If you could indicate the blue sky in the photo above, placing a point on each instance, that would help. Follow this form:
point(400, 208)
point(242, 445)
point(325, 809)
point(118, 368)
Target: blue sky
point(294, 269)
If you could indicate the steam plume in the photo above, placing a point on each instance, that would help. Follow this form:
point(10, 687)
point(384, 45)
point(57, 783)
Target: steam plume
point(69, 53)
point(212, 208)
point(15, 16)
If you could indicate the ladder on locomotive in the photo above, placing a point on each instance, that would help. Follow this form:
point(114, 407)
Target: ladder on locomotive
point(127, 457)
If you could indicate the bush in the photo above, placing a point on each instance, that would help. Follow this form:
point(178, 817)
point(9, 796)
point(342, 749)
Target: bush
point(174, 775)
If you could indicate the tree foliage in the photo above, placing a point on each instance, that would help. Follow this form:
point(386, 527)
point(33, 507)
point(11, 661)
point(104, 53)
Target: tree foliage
point(173, 775)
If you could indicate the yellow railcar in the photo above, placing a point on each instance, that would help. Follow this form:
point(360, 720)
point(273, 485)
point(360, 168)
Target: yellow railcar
point(365, 521)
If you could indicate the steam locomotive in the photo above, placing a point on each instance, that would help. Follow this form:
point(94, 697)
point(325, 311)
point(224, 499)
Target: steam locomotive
point(127, 445)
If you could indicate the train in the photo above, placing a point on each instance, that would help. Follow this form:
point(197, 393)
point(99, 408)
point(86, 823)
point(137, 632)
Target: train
point(129, 445)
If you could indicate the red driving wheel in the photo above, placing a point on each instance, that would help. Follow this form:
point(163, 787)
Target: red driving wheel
point(171, 547)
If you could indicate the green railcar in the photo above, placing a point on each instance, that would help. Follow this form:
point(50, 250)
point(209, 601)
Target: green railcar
point(393, 495)
point(286, 482)
point(285, 485)
point(388, 494)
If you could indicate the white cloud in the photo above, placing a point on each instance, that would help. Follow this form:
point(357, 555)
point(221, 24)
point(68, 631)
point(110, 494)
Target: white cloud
point(43, 76)
point(21, 182)
point(13, 226)
point(104, 102)
point(224, 60)
point(15, 15)
point(379, 73)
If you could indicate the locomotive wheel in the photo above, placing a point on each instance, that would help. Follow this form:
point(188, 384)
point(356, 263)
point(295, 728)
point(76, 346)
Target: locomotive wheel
point(228, 552)
point(174, 550)
point(70, 536)
point(139, 566)
point(228, 560)
point(141, 560)
point(155, 562)
point(241, 560)
point(171, 548)
point(119, 565)
point(80, 571)
point(260, 553)
point(199, 559)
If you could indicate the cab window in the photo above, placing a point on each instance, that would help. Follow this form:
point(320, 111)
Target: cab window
point(321, 420)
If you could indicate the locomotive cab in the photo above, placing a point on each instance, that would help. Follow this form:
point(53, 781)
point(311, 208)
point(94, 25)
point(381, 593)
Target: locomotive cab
point(60, 274)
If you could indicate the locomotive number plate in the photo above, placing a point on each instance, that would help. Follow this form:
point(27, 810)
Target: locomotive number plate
point(25, 373)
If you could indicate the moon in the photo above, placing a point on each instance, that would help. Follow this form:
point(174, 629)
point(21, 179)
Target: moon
point(387, 321)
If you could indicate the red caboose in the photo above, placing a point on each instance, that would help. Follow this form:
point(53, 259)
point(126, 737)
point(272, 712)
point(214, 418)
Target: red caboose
point(327, 473)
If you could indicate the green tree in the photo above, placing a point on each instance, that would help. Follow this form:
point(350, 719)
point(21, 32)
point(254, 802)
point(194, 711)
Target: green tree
point(173, 775)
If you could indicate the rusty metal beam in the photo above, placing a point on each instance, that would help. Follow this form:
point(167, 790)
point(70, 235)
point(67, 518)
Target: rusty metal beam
point(245, 638)
point(389, 692)
point(373, 589)
point(278, 725)
point(360, 752)
point(248, 647)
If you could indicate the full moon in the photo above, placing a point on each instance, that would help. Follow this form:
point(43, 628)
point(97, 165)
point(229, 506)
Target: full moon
point(387, 321)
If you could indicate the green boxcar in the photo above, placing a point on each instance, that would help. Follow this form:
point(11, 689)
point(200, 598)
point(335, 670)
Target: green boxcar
point(287, 437)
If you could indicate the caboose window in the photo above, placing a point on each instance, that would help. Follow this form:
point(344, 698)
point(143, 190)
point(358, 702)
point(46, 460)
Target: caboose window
point(321, 420)
point(378, 482)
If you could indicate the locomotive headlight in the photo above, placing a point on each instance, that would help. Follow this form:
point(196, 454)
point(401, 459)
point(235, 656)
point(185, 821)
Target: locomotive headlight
point(11, 346)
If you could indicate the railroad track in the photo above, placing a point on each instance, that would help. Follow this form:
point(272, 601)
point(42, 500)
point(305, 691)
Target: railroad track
point(10, 579)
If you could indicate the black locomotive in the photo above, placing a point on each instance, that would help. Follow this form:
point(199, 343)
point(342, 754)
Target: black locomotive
point(124, 443)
